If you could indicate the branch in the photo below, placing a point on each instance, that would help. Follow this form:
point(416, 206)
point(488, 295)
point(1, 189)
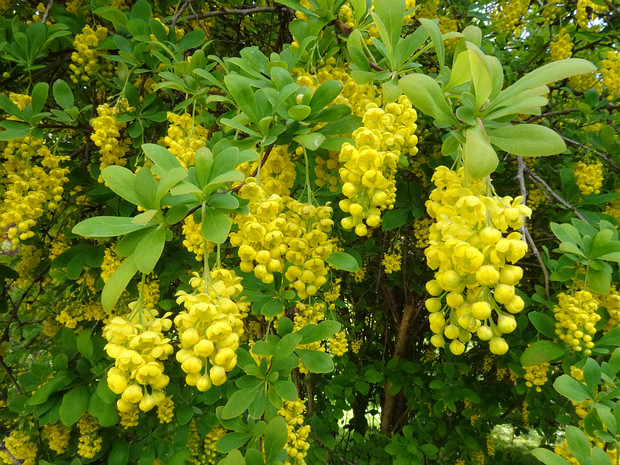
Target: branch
point(553, 193)
point(525, 231)
point(613, 7)
point(47, 11)
point(9, 374)
point(240, 12)
point(602, 155)
point(179, 12)
point(347, 30)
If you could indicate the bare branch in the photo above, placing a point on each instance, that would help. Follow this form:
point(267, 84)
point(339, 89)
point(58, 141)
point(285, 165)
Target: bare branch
point(9, 374)
point(179, 12)
point(537, 179)
point(47, 11)
point(240, 12)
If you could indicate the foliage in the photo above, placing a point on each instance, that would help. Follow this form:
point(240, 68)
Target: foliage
point(315, 231)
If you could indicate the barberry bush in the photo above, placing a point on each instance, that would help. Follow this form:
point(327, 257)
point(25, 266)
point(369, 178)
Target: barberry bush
point(309, 232)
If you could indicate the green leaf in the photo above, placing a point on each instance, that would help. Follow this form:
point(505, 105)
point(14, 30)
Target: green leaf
point(611, 339)
point(106, 226)
point(436, 36)
point(115, 16)
point(117, 283)
point(548, 457)
point(571, 388)
point(62, 94)
point(527, 140)
point(39, 96)
point(123, 182)
point(85, 343)
point(480, 75)
point(599, 280)
point(215, 225)
point(104, 412)
point(203, 162)
point(232, 441)
point(239, 402)
point(541, 352)
point(119, 455)
point(394, 219)
point(311, 141)
point(312, 333)
point(57, 383)
point(480, 158)
point(243, 94)
point(600, 457)
point(286, 390)
point(426, 95)
point(578, 443)
point(74, 404)
point(544, 323)
point(149, 250)
point(325, 94)
point(162, 157)
point(316, 362)
point(192, 40)
point(276, 435)
point(168, 180)
point(343, 261)
point(287, 344)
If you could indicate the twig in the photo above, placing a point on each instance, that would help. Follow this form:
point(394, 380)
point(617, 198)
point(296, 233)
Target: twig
point(602, 155)
point(179, 12)
point(240, 12)
point(524, 230)
point(47, 11)
point(347, 30)
point(612, 7)
point(9, 374)
point(554, 194)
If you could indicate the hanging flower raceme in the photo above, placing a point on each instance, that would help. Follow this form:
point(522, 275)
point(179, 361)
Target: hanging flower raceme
point(138, 347)
point(210, 328)
point(474, 286)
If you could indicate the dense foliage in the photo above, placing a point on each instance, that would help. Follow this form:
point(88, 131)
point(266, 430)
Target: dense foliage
point(316, 231)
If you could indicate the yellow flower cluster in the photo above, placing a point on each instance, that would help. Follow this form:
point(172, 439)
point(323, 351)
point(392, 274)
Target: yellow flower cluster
point(360, 274)
point(338, 344)
point(129, 417)
point(326, 170)
point(107, 136)
point(89, 442)
point(31, 182)
point(561, 47)
point(421, 228)
point(77, 312)
point(536, 375)
point(297, 444)
point(194, 240)
point(151, 294)
point(210, 328)
point(585, 82)
point(508, 15)
point(369, 166)
point(276, 175)
point(29, 260)
point(490, 445)
point(427, 9)
point(589, 177)
point(356, 345)
point(575, 319)
point(535, 198)
point(85, 57)
point(474, 261)
point(184, 137)
point(576, 373)
point(488, 363)
point(308, 314)
point(347, 15)
point(211, 439)
point(165, 410)
point(392, 261)
point(525, 415)
point(355, 96)
point(610, 70)
point(447, 24)
point(478, 458)
point(57, 436)
point(21, 447)
point(138, 349)
point(586, 13)
point(613, 207)
point(110, 264)
point(550, 11)
point(283, 235)
point(611, 302)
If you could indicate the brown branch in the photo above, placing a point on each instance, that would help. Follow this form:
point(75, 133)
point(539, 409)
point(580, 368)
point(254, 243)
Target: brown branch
point(389, 404)
point(179, 12)
point(525, 231)
point(47, 11)
point(613, 7)
point(9, 374)
point(537, 179)
point(602, 155)
point(240, 12)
